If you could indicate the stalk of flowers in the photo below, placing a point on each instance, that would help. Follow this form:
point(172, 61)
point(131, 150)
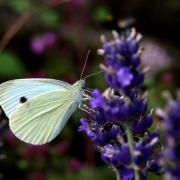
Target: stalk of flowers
point(171, 154)
point(120, 119)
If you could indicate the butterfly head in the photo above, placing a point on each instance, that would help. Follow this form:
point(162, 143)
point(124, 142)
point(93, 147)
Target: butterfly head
point(80, 85)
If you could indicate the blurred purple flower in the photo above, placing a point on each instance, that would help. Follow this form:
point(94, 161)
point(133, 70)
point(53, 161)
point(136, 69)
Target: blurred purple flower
point(74, 165)
point(158, 55)
point(37, 175)
point(10, 138)
point(41, 43)
point(49, 38)
point(36, 74)
point(37, 45)
point(171, 155)
point(36, 152)
point(62, 148)
point(167, 79)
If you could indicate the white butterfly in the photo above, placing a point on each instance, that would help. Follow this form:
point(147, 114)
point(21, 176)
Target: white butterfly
point(38, 109)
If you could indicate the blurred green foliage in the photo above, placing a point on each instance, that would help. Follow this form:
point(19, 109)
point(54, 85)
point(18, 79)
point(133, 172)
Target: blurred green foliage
point(101, 13)
point(11, 65)
point(100, 173)
point(19, 6)
point(50, 18)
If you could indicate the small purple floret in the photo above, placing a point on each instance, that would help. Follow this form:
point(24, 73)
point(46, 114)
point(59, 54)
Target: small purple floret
point(124, 76)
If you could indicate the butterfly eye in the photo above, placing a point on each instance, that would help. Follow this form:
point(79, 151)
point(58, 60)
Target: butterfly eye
point(23, 99)
point(84, 86)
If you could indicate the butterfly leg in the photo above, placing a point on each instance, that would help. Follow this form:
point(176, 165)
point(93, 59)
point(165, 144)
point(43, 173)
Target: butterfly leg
point(86, 109)
point(89, 91)
point(86, 96)
point(85, 99)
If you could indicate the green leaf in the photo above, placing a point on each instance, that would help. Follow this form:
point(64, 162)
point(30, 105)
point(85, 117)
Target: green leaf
point(50, 18)
point(10, 65)
point(58, 66)
point(101, 13)
point(23, 164)
point(19, 5)
point(152, 176)
point(89, 173)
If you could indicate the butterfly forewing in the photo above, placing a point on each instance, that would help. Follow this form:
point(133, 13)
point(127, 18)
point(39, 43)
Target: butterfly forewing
point(12, 92)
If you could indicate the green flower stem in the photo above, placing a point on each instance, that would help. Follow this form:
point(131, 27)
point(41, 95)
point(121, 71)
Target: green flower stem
point(131, 146)
point(117, 175)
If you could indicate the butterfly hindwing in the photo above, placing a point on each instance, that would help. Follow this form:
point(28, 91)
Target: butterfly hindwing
point(40, 120)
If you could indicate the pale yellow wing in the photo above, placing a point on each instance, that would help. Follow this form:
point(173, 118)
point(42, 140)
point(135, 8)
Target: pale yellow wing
point(40, 119)
point(12, 91)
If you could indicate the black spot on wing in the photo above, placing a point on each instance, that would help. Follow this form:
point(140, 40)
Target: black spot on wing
point(23, 99)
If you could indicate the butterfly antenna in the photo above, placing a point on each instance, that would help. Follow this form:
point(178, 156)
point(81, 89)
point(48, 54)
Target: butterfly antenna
point(85, 64)
point(93, 74)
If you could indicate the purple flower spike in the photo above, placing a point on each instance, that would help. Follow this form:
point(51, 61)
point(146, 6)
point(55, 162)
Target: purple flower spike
point(120, 117)
point(171, 155)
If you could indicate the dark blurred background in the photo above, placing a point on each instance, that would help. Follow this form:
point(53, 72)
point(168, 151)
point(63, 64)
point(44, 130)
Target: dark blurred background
point(51, 38)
